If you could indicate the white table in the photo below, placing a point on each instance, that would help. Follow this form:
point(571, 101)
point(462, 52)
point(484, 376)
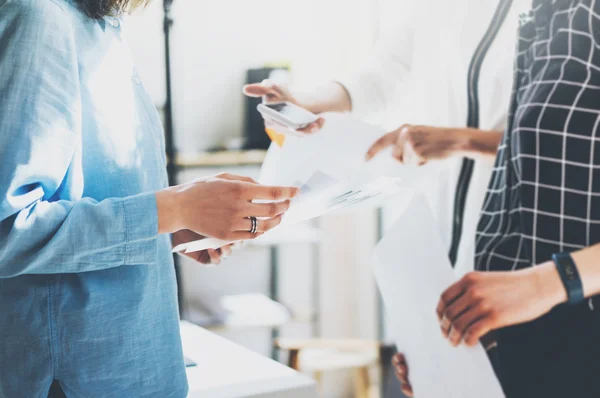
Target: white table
point(226, 370)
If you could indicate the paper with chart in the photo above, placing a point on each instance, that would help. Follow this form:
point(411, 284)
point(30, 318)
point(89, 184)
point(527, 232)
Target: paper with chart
point(412, 270)
point(322, 194)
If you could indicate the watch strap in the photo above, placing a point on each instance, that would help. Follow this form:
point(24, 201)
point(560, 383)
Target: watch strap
point(569, 274)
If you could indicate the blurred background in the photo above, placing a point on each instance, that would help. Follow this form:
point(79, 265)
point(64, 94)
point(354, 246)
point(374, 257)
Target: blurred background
point(306, 297)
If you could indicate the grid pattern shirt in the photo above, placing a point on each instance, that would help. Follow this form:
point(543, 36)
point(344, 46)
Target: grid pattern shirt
point(544, 195)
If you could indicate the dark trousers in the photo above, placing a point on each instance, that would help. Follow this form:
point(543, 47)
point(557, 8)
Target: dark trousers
point(557, 356)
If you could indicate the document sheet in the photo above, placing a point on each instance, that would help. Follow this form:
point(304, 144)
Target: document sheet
point(321, 194)
point(331, 169)
point(412, 271)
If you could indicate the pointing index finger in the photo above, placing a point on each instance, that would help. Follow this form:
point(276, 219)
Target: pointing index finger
point(382, 143)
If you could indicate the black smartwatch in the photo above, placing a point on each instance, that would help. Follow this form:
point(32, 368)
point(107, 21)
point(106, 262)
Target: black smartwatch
point(570, 277)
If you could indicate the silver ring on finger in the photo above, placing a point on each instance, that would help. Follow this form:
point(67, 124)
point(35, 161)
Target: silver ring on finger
point(254, 227)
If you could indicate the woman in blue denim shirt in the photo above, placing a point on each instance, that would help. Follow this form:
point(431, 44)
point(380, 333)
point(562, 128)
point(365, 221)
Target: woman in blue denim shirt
point(87, 288)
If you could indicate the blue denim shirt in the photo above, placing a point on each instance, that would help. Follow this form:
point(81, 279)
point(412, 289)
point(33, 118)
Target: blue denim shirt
point(87, 286)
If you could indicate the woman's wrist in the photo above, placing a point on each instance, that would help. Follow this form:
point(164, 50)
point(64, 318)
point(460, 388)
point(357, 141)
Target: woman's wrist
point(169, 211)
point(587, 264)
point(475, 142)
point(549, 284)
point(465, 141)
point(305, 101)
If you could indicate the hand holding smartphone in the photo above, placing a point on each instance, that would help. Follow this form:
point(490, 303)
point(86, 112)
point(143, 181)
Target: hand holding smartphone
point(288, 115)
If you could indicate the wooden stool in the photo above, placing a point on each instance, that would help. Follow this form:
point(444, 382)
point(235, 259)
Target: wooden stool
point(319, 356)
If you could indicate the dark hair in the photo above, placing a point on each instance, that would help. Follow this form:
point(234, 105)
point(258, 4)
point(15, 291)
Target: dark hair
point(102, 8)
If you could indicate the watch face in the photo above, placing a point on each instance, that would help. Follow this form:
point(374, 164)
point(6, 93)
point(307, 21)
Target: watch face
point(570, 272)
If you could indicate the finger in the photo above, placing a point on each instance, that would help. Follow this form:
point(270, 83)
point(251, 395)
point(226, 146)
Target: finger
point(281, 129)
point(406, 145)
point(399, 154)
point(402, 371)
point(400, 367)
point(201, 257)
point(462, 324)
point(238, 245)
point(263, 192)
point(413, 157)
point(454, 311)
point(477, 330)
point(242, 235)
point(258, 90)
point(267, 225)
point(449, 296)
point(262, 226)
point(184, 236)
point(398, 359)
point(234, 177)
point(310, 129)
point(215, 257)
point(401, 378)
point(386, 141)
point(266, 209)
point(313, 127)
point(226, 251)
point(409, 156)
point(276, 94)
point(407, 390)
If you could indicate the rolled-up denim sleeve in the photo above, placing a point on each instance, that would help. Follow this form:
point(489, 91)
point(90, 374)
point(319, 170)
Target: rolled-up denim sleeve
point(46, 225)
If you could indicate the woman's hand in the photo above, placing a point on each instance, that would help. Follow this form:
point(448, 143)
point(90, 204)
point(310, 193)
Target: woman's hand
point(205, 257)
point(270, 91)
point(417, 145)
point(277, 93)
point(221, 206)
point(485, 301)
point(401, 370)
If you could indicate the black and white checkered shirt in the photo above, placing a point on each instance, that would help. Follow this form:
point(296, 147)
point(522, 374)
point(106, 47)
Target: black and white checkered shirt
point(544, 196)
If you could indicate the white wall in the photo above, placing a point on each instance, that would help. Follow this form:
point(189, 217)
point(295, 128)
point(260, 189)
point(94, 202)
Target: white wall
point(215, 42)
point(144, 34)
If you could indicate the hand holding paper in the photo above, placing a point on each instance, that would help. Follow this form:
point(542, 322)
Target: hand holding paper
point(412, 270)
point(321, 194)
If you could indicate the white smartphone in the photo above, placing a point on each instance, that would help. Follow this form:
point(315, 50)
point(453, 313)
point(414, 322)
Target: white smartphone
point(287, 114)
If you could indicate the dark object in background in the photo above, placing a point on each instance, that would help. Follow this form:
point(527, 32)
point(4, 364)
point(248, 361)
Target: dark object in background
point(254, 127)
